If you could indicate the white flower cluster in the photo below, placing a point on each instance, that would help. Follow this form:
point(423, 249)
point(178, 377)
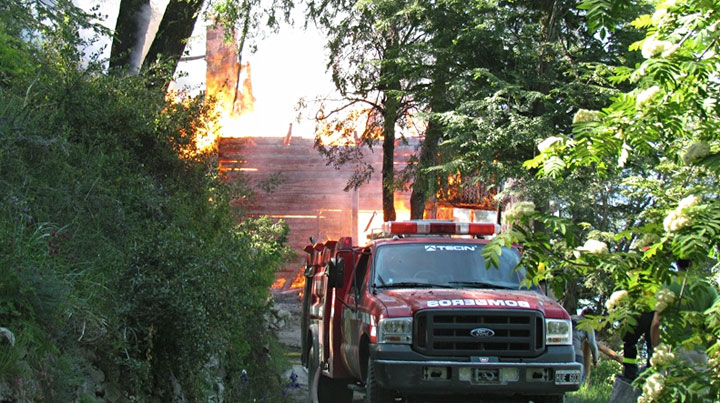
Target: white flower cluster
point(675, 220)
point(548, 142)
point(646, 95)
point(662, 355)
point(593, 247)
point(664, 298)
point(659, 16)
point(695, 152)
point(652, 46)
point(519, 210)
point(616, 299)
point(585, 115)
point(670, 51)
point(690, 201)
point(678, 218)
point(652, 388)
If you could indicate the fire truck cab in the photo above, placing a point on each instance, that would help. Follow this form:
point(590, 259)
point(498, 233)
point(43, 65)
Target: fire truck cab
point(420, 313)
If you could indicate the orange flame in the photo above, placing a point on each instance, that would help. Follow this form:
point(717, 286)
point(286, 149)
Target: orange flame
point(231, 106)
point(402, 209)
point(230, 84)
point(279, 283)
point(298, 282)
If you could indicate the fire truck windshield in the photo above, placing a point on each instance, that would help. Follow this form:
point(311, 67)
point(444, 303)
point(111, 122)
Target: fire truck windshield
point(444, 265)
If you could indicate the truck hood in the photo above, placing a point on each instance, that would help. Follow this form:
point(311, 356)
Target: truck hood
point(405, 302)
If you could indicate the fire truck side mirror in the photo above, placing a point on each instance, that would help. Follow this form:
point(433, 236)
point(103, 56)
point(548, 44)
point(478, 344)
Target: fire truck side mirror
point(336, 272)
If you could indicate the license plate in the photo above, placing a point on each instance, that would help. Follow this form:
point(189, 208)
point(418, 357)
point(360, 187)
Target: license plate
point(567, 377)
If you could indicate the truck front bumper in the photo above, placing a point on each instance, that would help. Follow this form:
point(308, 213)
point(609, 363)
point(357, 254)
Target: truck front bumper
point(401, 369)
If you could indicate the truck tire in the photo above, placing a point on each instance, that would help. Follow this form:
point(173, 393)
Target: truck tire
point(374, 393)
point(313, 373)
point(323, 389)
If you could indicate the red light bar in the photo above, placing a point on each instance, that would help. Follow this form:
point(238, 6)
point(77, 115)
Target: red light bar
point(392, 227)
point(483, 228)
point(446, 228)
point(443, 228)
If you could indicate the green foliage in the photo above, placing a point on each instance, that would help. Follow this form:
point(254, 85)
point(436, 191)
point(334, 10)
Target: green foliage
point(519, 71)
point(599, 387)
point(605, 16)
point(658, 141)
point(120, 252)
point(14, 58)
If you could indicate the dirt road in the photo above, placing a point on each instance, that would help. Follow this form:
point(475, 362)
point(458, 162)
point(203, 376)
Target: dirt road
point(287, 312)
point(288, 329)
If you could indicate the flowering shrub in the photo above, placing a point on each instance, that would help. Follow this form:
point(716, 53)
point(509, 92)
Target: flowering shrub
point(585, 116)
point(652, 388)
point(644, 96)
point(675, 221)
point(665, 298)
point(679, 218)
point(617, 299)
point(594, 247)
point(549, 142)
point(659, 138)
point(662, 356)
point(696, 152)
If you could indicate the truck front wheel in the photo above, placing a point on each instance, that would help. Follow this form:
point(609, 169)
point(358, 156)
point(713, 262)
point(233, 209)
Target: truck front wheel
point(323, 389)
point(374, 393)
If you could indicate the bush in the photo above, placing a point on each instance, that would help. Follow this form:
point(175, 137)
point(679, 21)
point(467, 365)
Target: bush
point(121, 255)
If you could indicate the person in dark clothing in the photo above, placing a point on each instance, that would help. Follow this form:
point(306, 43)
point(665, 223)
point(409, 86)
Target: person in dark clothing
point(630, 340)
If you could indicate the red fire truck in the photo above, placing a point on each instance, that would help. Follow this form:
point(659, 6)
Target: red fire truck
point(419, 313)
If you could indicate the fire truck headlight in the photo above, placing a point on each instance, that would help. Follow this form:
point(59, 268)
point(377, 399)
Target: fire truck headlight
point(559, 331)
point(395, 330)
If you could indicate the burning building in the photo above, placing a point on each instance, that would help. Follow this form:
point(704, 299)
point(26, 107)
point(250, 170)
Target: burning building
point(291, 179)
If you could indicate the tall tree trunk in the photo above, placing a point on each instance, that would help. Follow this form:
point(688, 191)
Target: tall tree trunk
point(570, 299)
point(390, 85)
point(425, 183)
point(175, 28)
point(388, 169)
point(129, 35)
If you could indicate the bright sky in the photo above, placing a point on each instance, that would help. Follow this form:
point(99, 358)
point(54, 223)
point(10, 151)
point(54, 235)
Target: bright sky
point(288, 66)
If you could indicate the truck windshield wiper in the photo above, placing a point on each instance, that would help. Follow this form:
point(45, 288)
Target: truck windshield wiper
point(411, 284)
point(481, 284)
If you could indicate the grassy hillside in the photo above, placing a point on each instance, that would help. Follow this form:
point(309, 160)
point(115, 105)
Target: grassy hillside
point(123, 273)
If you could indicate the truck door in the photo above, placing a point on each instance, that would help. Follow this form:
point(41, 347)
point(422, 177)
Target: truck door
point(353, 317)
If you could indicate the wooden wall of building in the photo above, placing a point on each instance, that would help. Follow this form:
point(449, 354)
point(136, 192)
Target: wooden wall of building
point(292, 182)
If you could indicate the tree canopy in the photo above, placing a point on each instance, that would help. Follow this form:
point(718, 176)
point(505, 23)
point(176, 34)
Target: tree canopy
point(657, 141)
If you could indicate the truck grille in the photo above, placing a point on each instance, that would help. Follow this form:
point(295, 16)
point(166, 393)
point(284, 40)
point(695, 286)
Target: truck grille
point(515, 333)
